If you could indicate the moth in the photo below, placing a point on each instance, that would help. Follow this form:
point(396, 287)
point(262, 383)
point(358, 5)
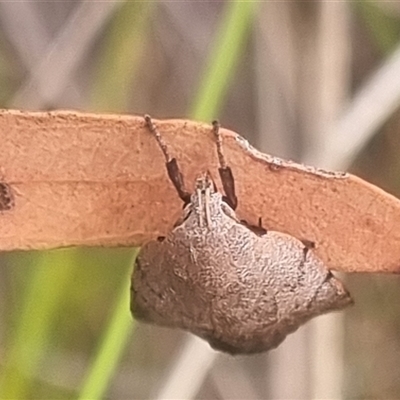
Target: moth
point(238, 286)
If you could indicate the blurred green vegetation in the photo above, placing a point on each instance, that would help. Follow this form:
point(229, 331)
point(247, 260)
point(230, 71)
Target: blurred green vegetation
point(224, 56)
point(123, 52)
point(384, 28)
point(64, 300)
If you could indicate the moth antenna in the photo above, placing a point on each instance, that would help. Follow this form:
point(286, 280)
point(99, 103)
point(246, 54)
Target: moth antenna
point(224, 170)
point(174, 173)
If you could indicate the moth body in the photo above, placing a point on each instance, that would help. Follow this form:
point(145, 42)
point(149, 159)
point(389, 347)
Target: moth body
point(240, 290)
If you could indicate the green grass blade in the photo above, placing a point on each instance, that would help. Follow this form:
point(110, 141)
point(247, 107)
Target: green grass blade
point(228, 47)
point(384, 27)
point(52, 272)
point(111, 347)
point(120, 57)
point(117, 67)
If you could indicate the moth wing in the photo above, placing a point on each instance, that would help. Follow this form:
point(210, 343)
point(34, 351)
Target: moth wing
point(164, 290)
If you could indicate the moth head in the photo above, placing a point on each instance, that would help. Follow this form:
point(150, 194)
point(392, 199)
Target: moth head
point(205, 200)
point(204, 183)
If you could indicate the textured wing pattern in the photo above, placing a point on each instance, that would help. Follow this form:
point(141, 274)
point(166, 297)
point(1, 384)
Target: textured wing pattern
point(241, 292)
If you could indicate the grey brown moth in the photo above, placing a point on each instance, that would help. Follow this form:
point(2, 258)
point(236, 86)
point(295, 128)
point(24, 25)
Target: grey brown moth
point(239, 287)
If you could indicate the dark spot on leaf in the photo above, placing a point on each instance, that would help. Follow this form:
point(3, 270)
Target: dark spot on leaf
point(6, 197)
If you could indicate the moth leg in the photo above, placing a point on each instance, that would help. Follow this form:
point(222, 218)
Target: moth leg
point(174, 172)
point(257, 229)
point(225, 172)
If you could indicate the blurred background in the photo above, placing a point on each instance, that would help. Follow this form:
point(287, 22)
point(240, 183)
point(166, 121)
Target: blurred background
point(317, 82)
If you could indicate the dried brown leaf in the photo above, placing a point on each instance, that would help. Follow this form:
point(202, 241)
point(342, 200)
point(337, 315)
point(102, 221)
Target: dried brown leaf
point(99, 180)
